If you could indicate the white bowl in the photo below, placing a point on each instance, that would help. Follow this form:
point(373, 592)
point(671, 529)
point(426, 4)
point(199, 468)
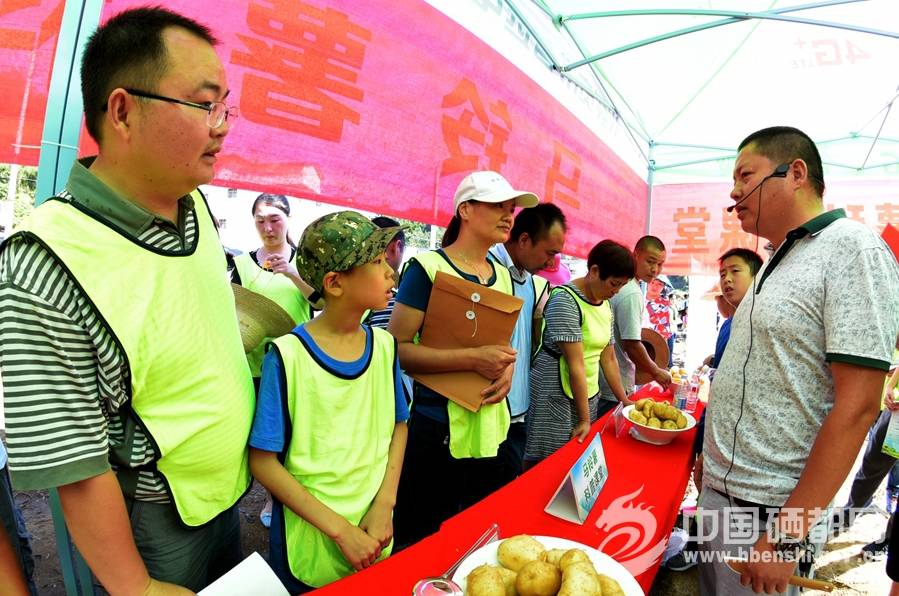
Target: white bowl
point(656, 436)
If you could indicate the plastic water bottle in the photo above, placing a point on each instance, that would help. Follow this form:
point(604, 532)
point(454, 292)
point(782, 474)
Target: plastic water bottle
point(705, 381)
point(693, 395)
point(680, 393)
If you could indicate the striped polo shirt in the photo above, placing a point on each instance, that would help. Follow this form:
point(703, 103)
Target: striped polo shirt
point(65, 379)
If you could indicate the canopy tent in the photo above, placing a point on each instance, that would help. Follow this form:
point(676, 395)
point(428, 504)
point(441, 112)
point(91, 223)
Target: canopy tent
point(626, 118)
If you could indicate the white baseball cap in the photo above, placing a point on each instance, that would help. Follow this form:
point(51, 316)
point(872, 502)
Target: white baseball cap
point(490, 187)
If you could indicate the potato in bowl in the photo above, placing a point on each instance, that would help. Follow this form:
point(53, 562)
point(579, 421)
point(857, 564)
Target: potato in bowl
point(658, 422)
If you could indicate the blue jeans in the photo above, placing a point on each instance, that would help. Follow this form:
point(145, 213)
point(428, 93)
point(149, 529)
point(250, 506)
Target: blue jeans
point(14, 524)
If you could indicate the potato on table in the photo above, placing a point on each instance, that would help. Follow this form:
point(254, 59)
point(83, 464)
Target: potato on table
point(513, 553)
point(485, 581)
point(571, 556)
point(509, 578)
point(553, 555)
point(610, 587)
point(580, 579)
point(538, 578)
point(638, 417)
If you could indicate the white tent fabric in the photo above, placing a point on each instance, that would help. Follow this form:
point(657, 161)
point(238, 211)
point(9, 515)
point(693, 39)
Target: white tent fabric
point(682, 104)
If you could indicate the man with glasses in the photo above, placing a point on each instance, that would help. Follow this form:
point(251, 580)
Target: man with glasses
point(800, 381)
point(126, 386)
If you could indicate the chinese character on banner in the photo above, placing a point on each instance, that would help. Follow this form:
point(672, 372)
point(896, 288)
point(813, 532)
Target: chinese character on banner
point(562, 182)
point(732, 235)
point(486, 136)
point(691, 240)
point(856, 212)
point(887, 213)
point(304, 64)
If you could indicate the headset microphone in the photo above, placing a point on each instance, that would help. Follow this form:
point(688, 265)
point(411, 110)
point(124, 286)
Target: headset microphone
point(779, 172)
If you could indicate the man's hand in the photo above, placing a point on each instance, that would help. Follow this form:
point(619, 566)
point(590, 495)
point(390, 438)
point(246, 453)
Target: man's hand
point(499, 389)
point(158, 588)
point(378, 523)
point(889, 401)
point(766, 571)
point(697, 472)
point(662, 377)
point(359, 549)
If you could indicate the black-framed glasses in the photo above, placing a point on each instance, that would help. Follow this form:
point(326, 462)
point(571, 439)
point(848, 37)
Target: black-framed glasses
point(216, 112)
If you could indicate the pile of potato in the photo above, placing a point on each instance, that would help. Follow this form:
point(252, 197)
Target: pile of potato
point(528, 569)
point(657, 414)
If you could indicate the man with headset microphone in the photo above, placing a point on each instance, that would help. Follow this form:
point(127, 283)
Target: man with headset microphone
point(800, 382)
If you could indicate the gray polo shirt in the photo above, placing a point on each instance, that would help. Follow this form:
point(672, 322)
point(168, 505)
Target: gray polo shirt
point(627, 320)
point(830, 293)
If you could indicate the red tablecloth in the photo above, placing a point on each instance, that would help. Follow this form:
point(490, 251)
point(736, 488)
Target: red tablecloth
point(631, 521)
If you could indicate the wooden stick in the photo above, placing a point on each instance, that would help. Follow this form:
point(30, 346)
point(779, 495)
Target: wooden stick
point(796, 580)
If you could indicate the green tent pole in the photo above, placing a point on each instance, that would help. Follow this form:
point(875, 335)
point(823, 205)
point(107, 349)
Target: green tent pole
point(62, 120)
point(651, 168)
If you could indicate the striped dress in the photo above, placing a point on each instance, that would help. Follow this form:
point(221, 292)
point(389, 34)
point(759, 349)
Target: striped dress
point(64, 377)
point(552, 414)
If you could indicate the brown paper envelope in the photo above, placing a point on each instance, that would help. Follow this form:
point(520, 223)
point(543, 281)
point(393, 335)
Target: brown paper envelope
point(447, 325)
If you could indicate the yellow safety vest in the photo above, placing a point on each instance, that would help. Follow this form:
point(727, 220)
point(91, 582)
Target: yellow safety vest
point(174, 318)
point(541, 286)
point(338, 448)
point(473, 434)
point(596, 331)
point(276, 287)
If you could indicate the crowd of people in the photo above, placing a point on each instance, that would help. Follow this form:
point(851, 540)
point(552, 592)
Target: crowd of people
point(127, 386)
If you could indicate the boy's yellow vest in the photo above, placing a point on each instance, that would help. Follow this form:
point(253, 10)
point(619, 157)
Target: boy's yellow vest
point(174, 318)
point(473, 434)
point(276, 287)
point(596, 331)
point(338, 446)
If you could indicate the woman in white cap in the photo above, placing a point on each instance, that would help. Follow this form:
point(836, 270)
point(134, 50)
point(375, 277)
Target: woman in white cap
point(451, 458)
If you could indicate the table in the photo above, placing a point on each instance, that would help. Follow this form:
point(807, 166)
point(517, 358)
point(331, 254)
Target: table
point(640, 500)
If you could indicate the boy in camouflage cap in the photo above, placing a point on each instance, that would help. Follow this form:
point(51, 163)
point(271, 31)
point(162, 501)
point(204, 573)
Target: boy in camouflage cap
point(337, 243)
point(333, 377)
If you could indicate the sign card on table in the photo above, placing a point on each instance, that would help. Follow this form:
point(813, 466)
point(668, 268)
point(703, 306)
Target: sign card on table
point(577, 494)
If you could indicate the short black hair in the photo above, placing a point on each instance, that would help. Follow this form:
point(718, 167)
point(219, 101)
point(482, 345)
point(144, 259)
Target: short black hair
point(536, 221)
point(388, 222)
point(750, 257)
point(647, 242)
point(783, 144)
point(612, 259)
point(279, 201)
point(128, 51)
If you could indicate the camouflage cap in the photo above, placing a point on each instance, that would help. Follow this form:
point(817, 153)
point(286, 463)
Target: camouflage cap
point(338, 242)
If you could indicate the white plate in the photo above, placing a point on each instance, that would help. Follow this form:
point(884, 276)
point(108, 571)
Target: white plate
point(602, 562)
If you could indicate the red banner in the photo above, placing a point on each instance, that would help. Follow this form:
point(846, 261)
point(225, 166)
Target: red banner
point(29, 30)
point(693, 221)
point(385, 105)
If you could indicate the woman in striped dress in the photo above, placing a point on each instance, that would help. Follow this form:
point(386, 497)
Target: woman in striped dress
point(577, 340)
